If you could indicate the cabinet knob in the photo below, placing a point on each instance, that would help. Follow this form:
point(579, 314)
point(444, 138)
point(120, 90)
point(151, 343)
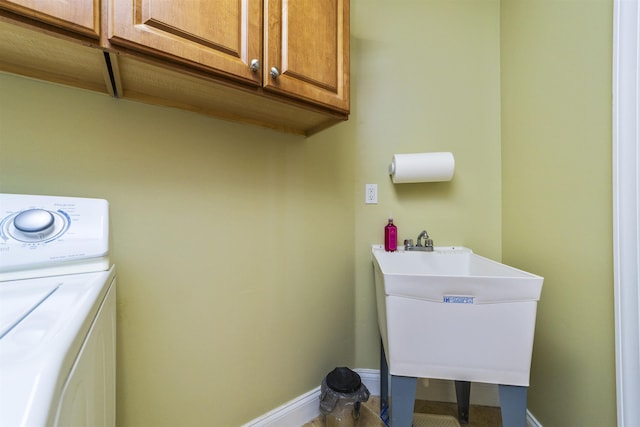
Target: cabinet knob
point(254, 65)
point(275, 72)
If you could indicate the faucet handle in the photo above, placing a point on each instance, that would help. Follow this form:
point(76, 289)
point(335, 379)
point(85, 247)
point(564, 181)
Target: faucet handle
point(428, 244)
point(408, 243)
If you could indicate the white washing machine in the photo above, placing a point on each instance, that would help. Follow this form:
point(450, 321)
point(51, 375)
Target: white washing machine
point(57, 312)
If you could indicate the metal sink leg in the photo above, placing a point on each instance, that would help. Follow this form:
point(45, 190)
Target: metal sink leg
point(513, 405)
point(397, 409)
point(463, 391)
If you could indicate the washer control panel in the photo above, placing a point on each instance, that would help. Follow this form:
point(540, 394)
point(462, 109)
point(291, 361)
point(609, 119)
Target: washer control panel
point(36, 225)
point(47, 231)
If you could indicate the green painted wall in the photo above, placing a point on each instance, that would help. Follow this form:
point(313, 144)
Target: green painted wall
point(426, 77)
point(557, 198)
point(519, 90)
point(233, 244)
point(229, 320)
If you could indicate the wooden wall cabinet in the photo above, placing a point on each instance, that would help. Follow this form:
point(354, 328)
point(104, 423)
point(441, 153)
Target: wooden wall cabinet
point(283, 64)
point(81, 16)
point(297, 48)
point(221, 36)
point(51, 41)
point(307, 44)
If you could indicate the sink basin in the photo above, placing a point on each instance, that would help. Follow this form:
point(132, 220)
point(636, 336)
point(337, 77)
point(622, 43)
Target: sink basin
point(453, 314)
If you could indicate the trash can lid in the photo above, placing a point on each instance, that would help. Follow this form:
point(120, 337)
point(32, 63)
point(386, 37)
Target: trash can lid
point(343, 380)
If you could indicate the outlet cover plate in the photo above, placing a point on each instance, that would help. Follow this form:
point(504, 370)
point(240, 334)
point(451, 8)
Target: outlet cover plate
point(371, 194)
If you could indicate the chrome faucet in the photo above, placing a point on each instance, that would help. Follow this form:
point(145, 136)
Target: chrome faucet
point(426, 247)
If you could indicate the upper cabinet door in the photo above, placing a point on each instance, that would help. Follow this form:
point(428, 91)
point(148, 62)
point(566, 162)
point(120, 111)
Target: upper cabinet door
point(81, 16)
point(223, 36)
point(307, 50)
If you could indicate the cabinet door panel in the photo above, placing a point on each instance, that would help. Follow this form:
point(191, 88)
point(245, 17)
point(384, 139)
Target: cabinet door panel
point(308, 41)
point(82, 17)
point(221, 35)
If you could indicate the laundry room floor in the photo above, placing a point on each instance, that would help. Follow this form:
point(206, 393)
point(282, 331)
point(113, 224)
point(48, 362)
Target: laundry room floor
point(479, 416)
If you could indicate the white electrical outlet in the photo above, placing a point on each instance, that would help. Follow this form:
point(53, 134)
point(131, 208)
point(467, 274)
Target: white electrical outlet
point(371, 194)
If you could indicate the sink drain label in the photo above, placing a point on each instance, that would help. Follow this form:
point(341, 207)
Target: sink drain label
point(454, 299)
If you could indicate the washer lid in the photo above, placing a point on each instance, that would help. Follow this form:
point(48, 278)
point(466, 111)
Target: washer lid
point(39, 352)
point(18, 299)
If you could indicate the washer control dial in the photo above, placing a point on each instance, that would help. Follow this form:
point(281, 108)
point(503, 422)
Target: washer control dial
point(34, 221)
point(34, 225)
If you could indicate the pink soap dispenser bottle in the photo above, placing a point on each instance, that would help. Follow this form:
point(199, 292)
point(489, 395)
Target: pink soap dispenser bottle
point(390, 237)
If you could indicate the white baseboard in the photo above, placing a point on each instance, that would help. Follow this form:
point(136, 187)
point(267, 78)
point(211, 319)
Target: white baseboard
point(294, 413)
point(304, 408)
point(371, 379)
point(531, 420)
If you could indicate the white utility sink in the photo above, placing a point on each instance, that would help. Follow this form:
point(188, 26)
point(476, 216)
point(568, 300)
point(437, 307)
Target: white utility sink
point(456, 315)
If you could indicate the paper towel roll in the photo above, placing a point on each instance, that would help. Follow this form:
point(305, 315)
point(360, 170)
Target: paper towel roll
point(422, 167)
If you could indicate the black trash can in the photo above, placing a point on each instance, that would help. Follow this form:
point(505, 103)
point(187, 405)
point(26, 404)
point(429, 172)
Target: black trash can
point(341, 393)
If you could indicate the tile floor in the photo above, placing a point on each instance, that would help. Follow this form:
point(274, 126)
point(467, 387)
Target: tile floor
point(479, 416)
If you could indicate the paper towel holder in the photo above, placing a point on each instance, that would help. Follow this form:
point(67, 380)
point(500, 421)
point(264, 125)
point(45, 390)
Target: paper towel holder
point(422, 167)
